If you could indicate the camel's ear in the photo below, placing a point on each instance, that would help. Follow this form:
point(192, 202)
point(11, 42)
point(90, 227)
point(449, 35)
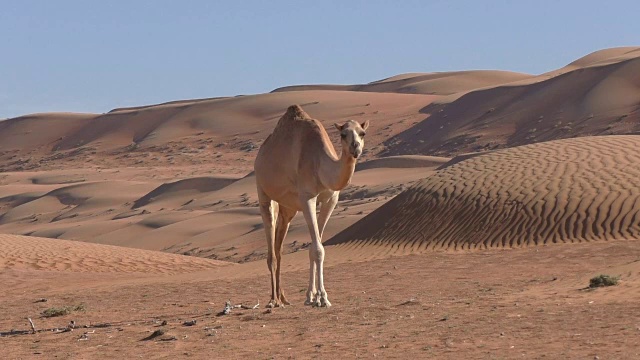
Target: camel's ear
point(338, 126)
point(365, 125)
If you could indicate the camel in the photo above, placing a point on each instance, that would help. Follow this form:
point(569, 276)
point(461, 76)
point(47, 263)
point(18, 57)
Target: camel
point(296, 168)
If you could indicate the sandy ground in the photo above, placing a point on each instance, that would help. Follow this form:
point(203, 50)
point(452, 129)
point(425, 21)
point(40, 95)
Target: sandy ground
point(424, 305)
point(482, 206)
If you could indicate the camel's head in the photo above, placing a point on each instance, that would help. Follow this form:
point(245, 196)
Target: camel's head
point(352, 136)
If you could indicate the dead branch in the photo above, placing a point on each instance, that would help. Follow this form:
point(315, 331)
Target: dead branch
point(228, 307)
point(33, 327)
point(249, 307)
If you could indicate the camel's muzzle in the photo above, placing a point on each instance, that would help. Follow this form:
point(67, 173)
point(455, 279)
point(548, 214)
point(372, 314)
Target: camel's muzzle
point(356, 151)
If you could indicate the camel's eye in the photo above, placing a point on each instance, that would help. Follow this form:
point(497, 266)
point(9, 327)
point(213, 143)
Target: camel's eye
point(343, 135)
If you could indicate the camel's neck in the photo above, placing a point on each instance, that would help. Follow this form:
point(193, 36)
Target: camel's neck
point(336, 173)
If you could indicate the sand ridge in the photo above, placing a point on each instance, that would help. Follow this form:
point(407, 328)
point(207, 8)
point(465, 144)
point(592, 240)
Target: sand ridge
point(439, 83)
point(402, 161)
point(43, 254)
point(574, 190)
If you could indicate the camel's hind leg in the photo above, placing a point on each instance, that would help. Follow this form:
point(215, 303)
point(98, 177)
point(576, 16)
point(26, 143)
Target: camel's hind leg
point(269, 212)
point(284, 219)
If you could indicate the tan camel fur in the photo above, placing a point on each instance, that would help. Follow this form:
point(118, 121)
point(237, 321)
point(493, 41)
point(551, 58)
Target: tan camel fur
point(296, 168)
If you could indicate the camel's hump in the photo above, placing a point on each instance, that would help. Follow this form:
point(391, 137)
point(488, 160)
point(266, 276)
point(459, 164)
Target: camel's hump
point(296, 118)
point(295, 112)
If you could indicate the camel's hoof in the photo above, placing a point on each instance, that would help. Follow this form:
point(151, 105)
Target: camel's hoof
point(311, 296)
point(284, 301)
point(309, 302)
point(319, 304)
point(274, 304)
point(321, 301)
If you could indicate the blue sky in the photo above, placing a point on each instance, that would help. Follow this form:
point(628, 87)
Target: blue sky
point(92, 56)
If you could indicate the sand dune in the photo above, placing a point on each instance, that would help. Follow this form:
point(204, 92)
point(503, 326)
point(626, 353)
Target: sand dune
point(561, 191)
point(38, 130)
point(225, 224)
point(594, 59)
point(75, 201)
point(440, 83)
point(589, 100)
point(436, 114)
point(213, 216)
point(151, 176)
point(184, 189)
point(604, 57)
point(33, 253)
point(214, 131)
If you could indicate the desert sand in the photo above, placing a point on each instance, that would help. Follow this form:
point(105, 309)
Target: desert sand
point(484, 203)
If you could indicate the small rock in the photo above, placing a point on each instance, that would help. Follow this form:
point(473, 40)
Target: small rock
point(190, 322)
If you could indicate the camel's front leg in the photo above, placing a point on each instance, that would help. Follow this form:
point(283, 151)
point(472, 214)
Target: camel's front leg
point(316, 254)
point(328, 203)
point(326, 209)
point(311, 290)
